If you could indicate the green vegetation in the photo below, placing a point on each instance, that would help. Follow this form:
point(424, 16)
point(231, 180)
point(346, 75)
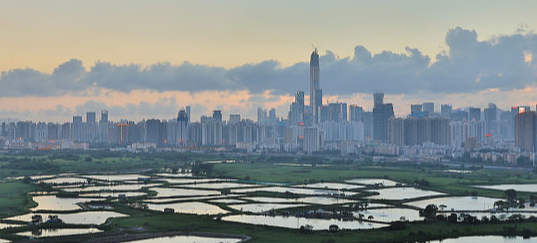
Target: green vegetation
point(453, 183)
point(14, 198)
point(159, 222)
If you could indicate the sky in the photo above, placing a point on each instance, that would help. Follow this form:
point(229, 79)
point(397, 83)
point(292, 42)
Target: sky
point(142, 59)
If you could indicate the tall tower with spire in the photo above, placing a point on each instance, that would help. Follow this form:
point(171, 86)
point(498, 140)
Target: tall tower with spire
point(316, 94)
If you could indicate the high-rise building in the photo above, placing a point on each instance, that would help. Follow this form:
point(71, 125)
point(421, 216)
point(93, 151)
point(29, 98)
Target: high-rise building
point(77, 130)
point(418, 130)
point(52, 131)
point(261, 115)
point(234, 118)
point(103, 127)
point(474, 114)
point(356, 113)
point(428, 107)
point(381, 113)
point(90, 117)
point(188, 113)
point(182, 128)
point(4, 130)
point(312, 140)
point(104, 116)
point(296, 111)
point(153, 131)
point(334, 112)
point(416, 109)
point(445, 111)
point(459, 115)
point(491, 119)
point(378, 99)
point(217, 114)
point(525, 131)
point(316, 95)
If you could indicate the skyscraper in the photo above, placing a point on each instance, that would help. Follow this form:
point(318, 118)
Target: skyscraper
point(103, 126)
point(445, 110)
point(474, 114)
point(104, 116)
point(316, 94)
point(296, 111)
point(182, 129)
point(428, 107)
point(217, 115)
point(90, 117)
point(381, 113)
point(525, 130)
point(77, 128)
point(491, 119)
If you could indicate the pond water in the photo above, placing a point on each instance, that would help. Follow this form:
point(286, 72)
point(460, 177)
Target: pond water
point(5, 226)
point(51, 202)
point(41, 177)
point(291, 190)
point(309, 200)
point(123, 187)
point(295, 222)
point(113, 194)
point(58, 232)
point(188, 207)
point(401, 193)
point(458, 171)
point(91, 217)
point(227, 201)
point(191, 180)
point(186, 239)
point(179, 199)
point(112, 177)
point(488, 239)
point(65, 180)
point(222, 185)
point(517, 187)
point(372, 182)
point(331, 185)
point(174, 175)
point(176, 192)
point(390, 214)
point(458, 203)
point(263, 207)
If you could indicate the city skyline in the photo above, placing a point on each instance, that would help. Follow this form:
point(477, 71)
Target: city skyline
point(261, 62)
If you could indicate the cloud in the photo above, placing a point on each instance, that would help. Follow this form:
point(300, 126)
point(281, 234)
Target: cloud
point(468, 65)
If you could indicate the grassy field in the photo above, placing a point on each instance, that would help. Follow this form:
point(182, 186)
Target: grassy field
point(453, 183)
point(14, 197)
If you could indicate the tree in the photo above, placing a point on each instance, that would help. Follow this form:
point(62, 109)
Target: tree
point(510, 193)
point(499, 204)
point(521, 203)
point(430, 210)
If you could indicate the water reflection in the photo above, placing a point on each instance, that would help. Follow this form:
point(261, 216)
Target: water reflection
point(38, 233)
point(401, 193)
point(263, 207)
point(295, 222)
point(188, 207)
point(187, 239)
point(92, 217)
point(488, 239)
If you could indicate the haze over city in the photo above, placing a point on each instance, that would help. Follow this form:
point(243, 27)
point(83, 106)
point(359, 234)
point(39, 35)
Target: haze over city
point(149, 59)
